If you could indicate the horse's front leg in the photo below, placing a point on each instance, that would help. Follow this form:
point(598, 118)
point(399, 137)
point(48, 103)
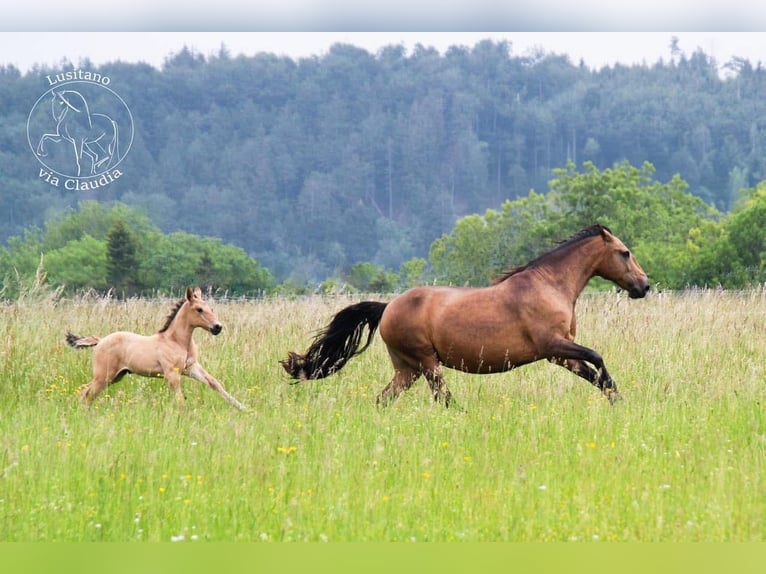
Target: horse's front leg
point(173, 377)
point(196, 371)
point(574, 357)
point(55, 138)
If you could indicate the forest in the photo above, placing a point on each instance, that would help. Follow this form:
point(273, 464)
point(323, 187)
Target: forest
point(373, 168)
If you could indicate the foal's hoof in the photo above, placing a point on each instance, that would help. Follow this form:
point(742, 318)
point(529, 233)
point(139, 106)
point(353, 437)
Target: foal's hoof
point(613, 396)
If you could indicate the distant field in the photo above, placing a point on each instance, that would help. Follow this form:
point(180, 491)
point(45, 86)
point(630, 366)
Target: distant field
point(535, 454)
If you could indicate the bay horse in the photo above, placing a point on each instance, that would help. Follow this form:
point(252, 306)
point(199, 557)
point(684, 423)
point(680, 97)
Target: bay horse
point(526, 315)
point(169, 353)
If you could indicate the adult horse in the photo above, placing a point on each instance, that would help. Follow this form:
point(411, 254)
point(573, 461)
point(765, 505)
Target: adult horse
point(169, 353)
point(526, 315)
point(91, 134)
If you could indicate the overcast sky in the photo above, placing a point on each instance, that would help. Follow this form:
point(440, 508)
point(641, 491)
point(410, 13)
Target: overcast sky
point(601, 32)
point(25, 49)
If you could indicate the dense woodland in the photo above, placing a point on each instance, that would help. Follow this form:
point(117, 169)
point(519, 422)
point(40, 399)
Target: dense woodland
point(315, 167)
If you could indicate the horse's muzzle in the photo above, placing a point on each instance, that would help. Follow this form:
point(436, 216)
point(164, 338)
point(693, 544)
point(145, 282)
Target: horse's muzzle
point(216, 328)
point(639, 291)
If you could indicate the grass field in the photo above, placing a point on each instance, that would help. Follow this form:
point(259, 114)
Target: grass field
point(535, 454)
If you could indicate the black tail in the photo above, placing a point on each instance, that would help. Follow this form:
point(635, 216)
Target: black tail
point(337, 343)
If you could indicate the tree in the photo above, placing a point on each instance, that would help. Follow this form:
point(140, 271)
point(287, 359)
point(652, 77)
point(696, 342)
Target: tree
point(81, 264)
point(122, 260)
point(653, 218)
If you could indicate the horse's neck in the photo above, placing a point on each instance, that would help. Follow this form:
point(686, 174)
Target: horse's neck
point(573, 268)
point(179, 330)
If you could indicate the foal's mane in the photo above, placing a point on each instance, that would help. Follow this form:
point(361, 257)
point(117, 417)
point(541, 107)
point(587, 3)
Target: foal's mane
point(585, 233)
point(172, 315)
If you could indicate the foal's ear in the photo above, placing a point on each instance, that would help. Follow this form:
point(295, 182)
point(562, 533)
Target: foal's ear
point(189, 294)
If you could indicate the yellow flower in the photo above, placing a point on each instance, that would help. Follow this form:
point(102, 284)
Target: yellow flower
point(426, 475)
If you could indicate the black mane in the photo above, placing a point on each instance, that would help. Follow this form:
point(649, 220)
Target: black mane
point(585, 233)
point(172, 315)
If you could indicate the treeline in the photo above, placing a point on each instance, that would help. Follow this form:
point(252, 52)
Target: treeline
point(318, 165)
point(118, 250)
point(680, 240)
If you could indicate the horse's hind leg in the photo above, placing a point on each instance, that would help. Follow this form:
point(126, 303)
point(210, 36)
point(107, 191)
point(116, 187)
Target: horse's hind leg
point(97, 384)
point(439, 389)
point(403, 379)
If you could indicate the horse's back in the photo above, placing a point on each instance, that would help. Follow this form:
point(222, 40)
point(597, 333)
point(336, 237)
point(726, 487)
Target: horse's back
point(130, 351)
point(472, 329)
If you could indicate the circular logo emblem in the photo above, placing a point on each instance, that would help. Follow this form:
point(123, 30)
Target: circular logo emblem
point(80, 131)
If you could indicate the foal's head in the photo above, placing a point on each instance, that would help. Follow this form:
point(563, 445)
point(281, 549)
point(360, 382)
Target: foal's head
point(196, 313)
point(619, 265)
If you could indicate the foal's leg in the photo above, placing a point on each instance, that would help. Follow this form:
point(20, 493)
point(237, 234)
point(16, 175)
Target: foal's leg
point(173, 377)
point(102, 377)
point(197, 372)
point(573, 357)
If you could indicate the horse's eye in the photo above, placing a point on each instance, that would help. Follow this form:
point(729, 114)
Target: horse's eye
point(199, 310)
point(626, 254)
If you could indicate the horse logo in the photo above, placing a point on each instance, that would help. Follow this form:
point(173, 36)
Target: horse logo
point(90, 134)
point(80, 130)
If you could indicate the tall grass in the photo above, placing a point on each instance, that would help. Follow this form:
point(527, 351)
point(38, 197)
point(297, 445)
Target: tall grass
point(535, 454)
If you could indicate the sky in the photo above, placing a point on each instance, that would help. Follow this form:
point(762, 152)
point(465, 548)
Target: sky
point(596, 49)
point(600, 32)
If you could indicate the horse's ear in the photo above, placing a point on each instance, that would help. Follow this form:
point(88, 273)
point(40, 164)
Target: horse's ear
point(605, 233)
point(189, 294)
point(198, 293)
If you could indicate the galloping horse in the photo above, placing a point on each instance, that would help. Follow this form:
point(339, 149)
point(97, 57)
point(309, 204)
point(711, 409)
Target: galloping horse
point(169, 353)
point(91, 134)
point(526, 315)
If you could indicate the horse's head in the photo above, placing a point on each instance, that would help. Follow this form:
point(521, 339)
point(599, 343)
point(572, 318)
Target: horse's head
point(65, 100)
point(618, 264)
point(200, 314)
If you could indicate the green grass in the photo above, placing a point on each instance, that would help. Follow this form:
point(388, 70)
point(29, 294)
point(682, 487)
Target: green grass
point(535, 454)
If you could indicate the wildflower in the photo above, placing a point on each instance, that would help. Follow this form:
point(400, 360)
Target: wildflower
point(426, 475)
point(287, 449)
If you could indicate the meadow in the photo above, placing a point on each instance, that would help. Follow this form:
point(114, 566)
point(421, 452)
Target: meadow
point(535, 454)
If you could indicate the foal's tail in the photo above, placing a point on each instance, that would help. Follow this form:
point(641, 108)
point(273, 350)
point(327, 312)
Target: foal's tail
point(77, 342)
point(337, 343)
